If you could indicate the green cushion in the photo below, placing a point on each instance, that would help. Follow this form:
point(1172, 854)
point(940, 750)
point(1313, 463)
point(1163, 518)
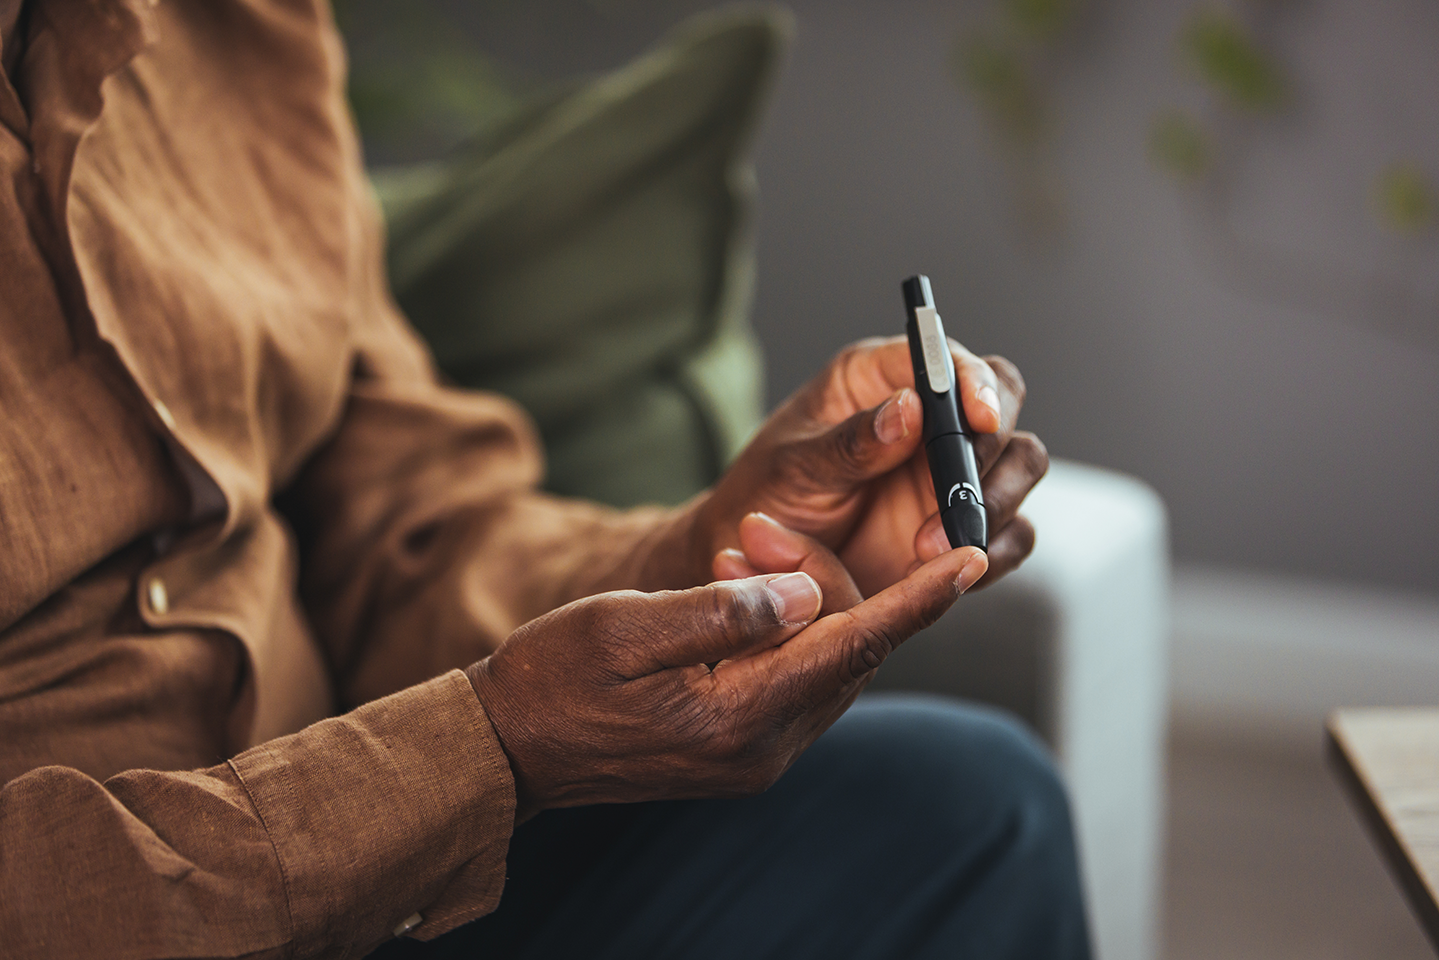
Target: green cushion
point(593, 259)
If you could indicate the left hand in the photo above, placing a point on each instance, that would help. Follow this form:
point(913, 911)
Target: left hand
point(841, 462)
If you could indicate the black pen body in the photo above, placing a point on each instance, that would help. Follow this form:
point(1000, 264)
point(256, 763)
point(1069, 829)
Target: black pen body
point(947, 437)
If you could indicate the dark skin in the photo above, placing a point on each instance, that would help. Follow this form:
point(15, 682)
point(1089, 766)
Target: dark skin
point(11, 45)
point(828, 551)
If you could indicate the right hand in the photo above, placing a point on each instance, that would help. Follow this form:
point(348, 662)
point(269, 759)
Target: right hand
point(609, 699)
point(842, 460)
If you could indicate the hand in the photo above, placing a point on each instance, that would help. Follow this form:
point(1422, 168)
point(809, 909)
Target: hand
point(609, 699)
point(841, 461)
point(766, 546)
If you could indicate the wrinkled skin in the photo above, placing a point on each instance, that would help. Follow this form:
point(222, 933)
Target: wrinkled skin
point(713, 691)
point(819, 464)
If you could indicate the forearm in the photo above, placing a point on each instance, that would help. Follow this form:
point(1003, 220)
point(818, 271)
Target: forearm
point(425, 542)
point(465, 583)
point(647, 548)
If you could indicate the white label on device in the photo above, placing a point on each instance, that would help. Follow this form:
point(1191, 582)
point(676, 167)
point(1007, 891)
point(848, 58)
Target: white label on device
point(938, 363)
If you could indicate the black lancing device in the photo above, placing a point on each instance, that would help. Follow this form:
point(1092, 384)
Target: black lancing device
point(947, 436)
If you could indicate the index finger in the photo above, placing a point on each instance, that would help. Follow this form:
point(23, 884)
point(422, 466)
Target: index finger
point(989, 446)
point(826, 659)
point(981, 388)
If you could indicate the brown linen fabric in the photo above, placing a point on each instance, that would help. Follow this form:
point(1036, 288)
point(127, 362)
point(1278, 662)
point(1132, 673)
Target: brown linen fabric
point(233, 500)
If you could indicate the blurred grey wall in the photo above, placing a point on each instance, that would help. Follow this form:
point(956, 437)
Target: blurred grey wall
point(1269, 362)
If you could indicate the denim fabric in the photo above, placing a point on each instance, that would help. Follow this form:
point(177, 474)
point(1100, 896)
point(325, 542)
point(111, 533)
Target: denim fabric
point(915, 828)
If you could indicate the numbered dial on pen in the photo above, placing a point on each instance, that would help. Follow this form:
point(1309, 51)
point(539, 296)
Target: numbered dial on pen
point(952, 464)
point(963, 493)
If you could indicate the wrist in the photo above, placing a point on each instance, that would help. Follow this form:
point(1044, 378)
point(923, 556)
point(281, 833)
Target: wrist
point(493, 702)
point(680, 553)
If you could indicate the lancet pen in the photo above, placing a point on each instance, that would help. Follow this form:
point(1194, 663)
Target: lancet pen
point(947, 436)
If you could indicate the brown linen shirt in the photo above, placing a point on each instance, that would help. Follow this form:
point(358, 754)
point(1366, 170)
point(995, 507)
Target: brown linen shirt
point(233, 501)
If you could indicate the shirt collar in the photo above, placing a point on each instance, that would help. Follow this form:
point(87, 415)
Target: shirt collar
point(71, 47)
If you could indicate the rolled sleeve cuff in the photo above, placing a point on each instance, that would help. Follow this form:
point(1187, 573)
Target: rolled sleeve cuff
point(402, 807)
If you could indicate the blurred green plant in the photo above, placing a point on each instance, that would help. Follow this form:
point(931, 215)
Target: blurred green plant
point(1226, 56)
point(1043, 20)
point(1222, 50)
point(1004, 64)
point(1000, 79)
point(418, 85)
point(1405, 198)
point(1008, 63)
point(1229, 54)
point(1179, 144)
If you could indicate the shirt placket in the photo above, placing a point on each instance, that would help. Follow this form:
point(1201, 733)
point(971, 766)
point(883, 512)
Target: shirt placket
point(73, 47)
point(12, 111)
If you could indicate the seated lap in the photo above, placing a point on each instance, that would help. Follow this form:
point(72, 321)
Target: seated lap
point(915, 827)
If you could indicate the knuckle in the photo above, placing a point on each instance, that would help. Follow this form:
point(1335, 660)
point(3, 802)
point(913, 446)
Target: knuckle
point(1023, 537)
point(987, 450)
point(1008, 375)
point(627, 627)
point(1009, 549)
point(850, 447)
point(716, 614)
point(591, 617)
point(761, 767)
point(1022, 464)
point(734, 614)
point(963, 354)
point(795, 465)
point(615, 610)
point(1032, 453)
point(747, 760)
point(846, 359)
point(871, 646)
point(734, 750)
point(998, 504)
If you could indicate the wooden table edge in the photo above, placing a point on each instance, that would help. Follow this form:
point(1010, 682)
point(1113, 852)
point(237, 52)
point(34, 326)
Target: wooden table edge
point(1350, 773)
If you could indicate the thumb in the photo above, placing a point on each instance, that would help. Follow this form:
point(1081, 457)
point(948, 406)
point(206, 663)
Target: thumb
point(723, 620)
point(841, 649)
point(772, 547)
point(868, 444)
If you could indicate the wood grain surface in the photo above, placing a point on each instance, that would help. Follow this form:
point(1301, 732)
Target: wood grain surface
point(1389, 760)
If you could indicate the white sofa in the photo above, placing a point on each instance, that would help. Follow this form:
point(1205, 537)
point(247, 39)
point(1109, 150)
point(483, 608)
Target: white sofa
point(1075, 643)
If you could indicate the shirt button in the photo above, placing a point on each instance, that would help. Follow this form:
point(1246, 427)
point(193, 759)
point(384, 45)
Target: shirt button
point(166, 417)
point(408, 924)
point(158, 596)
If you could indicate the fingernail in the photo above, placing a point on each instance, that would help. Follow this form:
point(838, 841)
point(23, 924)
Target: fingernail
point(796, 597)
point(989, 398)
point(786, 531)
point(734, 554)
point(971, 571)
point(889, 425)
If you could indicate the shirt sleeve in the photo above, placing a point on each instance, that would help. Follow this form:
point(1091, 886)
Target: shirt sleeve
point(424, 541)
point(318, 844)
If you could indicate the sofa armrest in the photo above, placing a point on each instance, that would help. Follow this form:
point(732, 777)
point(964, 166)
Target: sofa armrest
point(1075, 642)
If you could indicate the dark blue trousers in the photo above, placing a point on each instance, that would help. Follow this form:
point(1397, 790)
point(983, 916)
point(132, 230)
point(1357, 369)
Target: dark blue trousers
point(915, 828)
